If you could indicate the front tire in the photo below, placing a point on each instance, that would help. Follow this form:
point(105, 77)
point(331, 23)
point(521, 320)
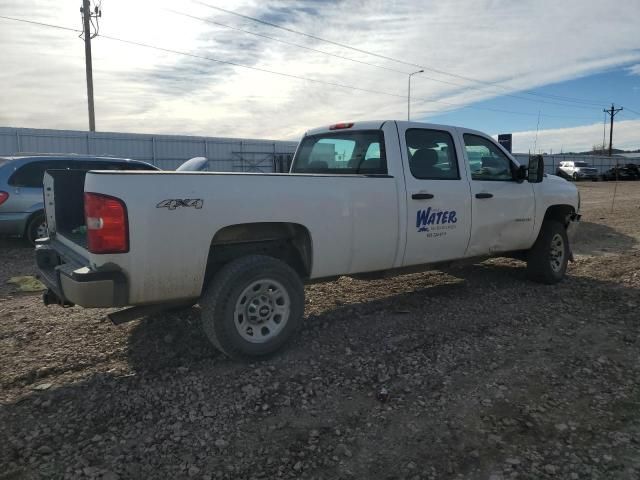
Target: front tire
point(547, 260)
point(575, 177)
point(252, 307)
point(36, 228)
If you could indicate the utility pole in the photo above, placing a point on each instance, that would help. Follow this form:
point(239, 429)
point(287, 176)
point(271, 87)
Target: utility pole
point(87, 16)
point(612, 113)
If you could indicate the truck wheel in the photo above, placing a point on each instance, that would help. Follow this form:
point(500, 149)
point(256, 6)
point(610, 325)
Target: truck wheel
point(575, 177)
point(253, 306)
point(547, 259)
point(36, 228)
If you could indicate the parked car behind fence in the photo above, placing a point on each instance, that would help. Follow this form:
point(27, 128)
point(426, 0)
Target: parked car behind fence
point(21, 200)
point(577, 170)
point(629, 171)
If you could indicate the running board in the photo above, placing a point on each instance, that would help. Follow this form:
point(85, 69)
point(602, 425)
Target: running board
point(133, 313)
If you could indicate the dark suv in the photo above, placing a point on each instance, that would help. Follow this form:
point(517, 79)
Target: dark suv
point(21, 207)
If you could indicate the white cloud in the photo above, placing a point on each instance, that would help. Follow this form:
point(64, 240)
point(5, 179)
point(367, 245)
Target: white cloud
point(634, 69)
point(522, 44)
point(577, 139)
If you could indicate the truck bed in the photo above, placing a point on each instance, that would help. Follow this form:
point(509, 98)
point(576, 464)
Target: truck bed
point(173, 218)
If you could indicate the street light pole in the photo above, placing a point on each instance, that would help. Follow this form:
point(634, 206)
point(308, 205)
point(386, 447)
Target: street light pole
point(409, 95)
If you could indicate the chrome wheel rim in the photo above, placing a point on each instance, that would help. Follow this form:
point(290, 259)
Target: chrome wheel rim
point(42, 231)
point(262, 310)
point(556, 253)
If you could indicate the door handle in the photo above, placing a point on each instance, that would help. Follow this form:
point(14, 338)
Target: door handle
point(484, 195)
point(422, 196)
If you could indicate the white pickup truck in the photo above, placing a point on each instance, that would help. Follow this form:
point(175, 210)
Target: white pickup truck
point(376, 196)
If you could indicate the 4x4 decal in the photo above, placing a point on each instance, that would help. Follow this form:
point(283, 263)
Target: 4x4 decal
point(173, 203)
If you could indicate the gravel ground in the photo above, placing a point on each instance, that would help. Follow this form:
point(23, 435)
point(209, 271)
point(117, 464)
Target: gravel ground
point(470, 373)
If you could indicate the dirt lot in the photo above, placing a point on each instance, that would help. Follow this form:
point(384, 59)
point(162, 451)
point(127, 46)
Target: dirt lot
point(473, 373)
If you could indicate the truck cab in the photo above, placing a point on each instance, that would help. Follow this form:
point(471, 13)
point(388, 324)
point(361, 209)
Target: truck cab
point(463, 194)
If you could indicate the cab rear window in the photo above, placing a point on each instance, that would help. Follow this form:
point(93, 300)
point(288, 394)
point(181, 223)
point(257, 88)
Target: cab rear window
point(356, 153)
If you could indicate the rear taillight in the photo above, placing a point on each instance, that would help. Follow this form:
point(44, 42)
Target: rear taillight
point(3, 197)
point(107, 224)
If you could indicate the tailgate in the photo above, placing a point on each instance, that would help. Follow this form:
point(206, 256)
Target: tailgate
point(63, 260)
point(64, 205)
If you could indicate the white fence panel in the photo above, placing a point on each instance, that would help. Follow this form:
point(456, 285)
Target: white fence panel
point(164, 151)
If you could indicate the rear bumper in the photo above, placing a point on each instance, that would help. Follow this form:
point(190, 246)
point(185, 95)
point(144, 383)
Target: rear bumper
point(75, 283)
point(13, 223)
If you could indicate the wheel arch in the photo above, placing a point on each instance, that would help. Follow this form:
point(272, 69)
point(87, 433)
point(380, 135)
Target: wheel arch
point(289, 242)
point(560, 212)
point(27, 222)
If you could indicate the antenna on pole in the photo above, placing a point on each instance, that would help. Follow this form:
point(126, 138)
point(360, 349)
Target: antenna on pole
point(535, 143)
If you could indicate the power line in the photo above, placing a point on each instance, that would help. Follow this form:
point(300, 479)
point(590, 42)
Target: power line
point(325, 82)
point(422, 77)
point(385, 57)
point(202, 57)
point(298, 77)
point(256, 34)
point(308, 35)
point(42, 24)
point(499, 110)
point(259, 69)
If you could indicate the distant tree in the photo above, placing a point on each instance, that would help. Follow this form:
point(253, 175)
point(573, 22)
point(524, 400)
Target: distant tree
point(598, 148)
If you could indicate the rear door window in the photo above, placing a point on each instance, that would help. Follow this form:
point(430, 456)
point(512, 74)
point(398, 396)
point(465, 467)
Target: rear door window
point(432, 154)
point(357, 152)
point(31, 174)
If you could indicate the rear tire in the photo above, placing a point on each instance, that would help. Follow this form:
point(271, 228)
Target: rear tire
point(252, 307)
point(547, 260)
point(36, 228)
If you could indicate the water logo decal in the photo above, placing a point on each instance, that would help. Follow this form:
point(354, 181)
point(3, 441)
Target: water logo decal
point(436, 221)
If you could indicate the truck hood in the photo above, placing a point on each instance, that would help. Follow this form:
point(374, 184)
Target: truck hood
point(558, 191)
point(555, 178)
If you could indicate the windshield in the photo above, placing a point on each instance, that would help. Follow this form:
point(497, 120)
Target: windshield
point(581, 164)
point(354, 152)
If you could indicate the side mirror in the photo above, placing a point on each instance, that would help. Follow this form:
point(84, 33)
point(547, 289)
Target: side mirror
point(535, 172)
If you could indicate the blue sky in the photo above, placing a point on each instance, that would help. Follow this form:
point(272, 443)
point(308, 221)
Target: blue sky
point(616, 85)
point(575, 48)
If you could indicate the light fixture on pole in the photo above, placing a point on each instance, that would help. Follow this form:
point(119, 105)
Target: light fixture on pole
point(409, 95)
